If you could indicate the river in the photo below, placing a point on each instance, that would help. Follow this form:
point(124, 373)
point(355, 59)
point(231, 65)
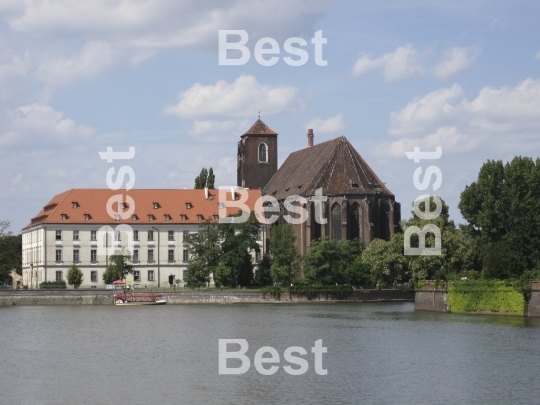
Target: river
point(382, 353)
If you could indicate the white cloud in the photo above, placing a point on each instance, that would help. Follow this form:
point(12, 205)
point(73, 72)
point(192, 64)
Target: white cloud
point(537, 56)
point(327, 126)
point(93, 58)
point(41, 127)
point(455, 60)
point(407, 61)
point(218, 131)
point(162, 23)
point(501, 121)
point(242, 98)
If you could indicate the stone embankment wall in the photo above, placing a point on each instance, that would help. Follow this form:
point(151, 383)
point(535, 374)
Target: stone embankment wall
point(106, 297)
point(434, 297)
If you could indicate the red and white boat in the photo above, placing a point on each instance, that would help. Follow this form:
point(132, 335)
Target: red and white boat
point(139, 299)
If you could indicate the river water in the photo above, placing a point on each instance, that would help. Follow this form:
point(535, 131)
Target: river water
point(381, 353)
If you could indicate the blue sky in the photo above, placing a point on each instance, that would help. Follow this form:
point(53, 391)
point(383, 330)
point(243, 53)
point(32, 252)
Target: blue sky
point(77, 77)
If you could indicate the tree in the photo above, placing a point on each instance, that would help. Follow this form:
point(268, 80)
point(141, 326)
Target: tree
point(201, 179)
point(74, 275)
point(386, 260)
point(224, 276)
point(197, 274)
point(284, 254)
point(118, 268)
point(262, 273)
point(4, 226)
point(238, 240)
point(502, 208)
point(204, 247)
point(10, 255)
point(211, 179)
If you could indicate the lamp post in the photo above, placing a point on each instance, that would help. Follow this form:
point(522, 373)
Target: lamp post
point(158, 269)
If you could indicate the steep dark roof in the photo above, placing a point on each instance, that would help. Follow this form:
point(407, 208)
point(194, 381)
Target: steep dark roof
point(260, 128)
point(333, 165)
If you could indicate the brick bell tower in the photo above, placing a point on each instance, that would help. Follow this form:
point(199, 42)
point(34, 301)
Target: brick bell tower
point(257, 156)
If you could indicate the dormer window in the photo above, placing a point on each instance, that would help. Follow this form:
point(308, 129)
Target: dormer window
point(167, 217)
point(221, 206)
point(189, 206)
point(123, 205)
point(156, 205)
point(87, 217)
point(184, 217)
point(117, 217)
point(134, 217)
point(75, 204)
point(151, 217)
point(64, 217)
point(200, 217)
point(216, 217)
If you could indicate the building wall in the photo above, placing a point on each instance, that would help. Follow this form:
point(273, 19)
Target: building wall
point(252, 173)
point(40, 246)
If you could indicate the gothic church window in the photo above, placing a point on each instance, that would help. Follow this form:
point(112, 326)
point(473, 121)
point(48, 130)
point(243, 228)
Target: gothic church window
point(263, 153)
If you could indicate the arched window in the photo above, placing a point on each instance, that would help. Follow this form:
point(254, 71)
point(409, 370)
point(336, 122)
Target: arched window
point(336, 222)
point(263, 153)
point(354, 222)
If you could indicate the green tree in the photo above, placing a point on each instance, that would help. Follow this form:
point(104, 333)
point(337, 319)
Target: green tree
point(284, 254)
point(224, 276)
point(201, 179)
point(197, 273)
point(386, 260)
point(204, 247)
point(502, 208)
point(262, 273)
point(10, 255)
point(74, 275)
point(211, 179)
point(119, 267)
point(238, 240)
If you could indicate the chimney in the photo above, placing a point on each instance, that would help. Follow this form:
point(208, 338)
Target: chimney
point(310, 137)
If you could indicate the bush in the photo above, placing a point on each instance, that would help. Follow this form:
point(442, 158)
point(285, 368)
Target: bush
point(53, 284)
point(487, 296)
point(74, 275)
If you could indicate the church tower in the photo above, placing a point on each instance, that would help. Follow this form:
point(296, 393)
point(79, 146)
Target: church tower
point(257, 156)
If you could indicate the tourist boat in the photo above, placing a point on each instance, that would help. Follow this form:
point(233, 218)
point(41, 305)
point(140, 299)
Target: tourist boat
point(139, 299)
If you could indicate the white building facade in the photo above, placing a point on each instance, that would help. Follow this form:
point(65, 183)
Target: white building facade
point(77, 227)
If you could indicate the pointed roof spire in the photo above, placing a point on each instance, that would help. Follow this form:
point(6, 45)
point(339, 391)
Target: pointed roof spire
point(260, 128)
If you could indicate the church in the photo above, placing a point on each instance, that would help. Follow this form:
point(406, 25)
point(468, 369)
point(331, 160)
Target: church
point(358, 204)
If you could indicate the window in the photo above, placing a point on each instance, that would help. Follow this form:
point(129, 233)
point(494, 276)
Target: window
point(135, 235)
point(75, 255)
point(216, 218)
point(93, 235)
point(257, 256)
point(93, 255)
point(75, 204)
point(171, 235)
point(188, 206)
point(135, 256)
point(200, 217)
point(117, 217)
point(156, 205)
point(259, 233)
point(75, 235)
point(64, 217)
point(263, 153)
point(58, 235)
point(184, 217)
point(136, 275)
point(150, 235)
point(59, 276)
point(134, 217)
point(117, 235)
point(151, 217)
point(87, 217)
point(185, 234)
point(123, 205)
point(171, 255)
point(150, 255)
point(58, 255)
point(150, 275)
point(93, 276)
point(167, 217)
point(185, 255)
point(336, 222)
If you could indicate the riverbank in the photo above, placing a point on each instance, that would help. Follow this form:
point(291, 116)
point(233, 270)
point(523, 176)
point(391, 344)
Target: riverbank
point(106, 297)
point(478, 297)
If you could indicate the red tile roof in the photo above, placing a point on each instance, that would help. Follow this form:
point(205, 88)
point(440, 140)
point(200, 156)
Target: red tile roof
point(172, 202)
point(260, 128)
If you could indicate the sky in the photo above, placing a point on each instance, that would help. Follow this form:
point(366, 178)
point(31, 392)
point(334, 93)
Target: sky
point(78, 77)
